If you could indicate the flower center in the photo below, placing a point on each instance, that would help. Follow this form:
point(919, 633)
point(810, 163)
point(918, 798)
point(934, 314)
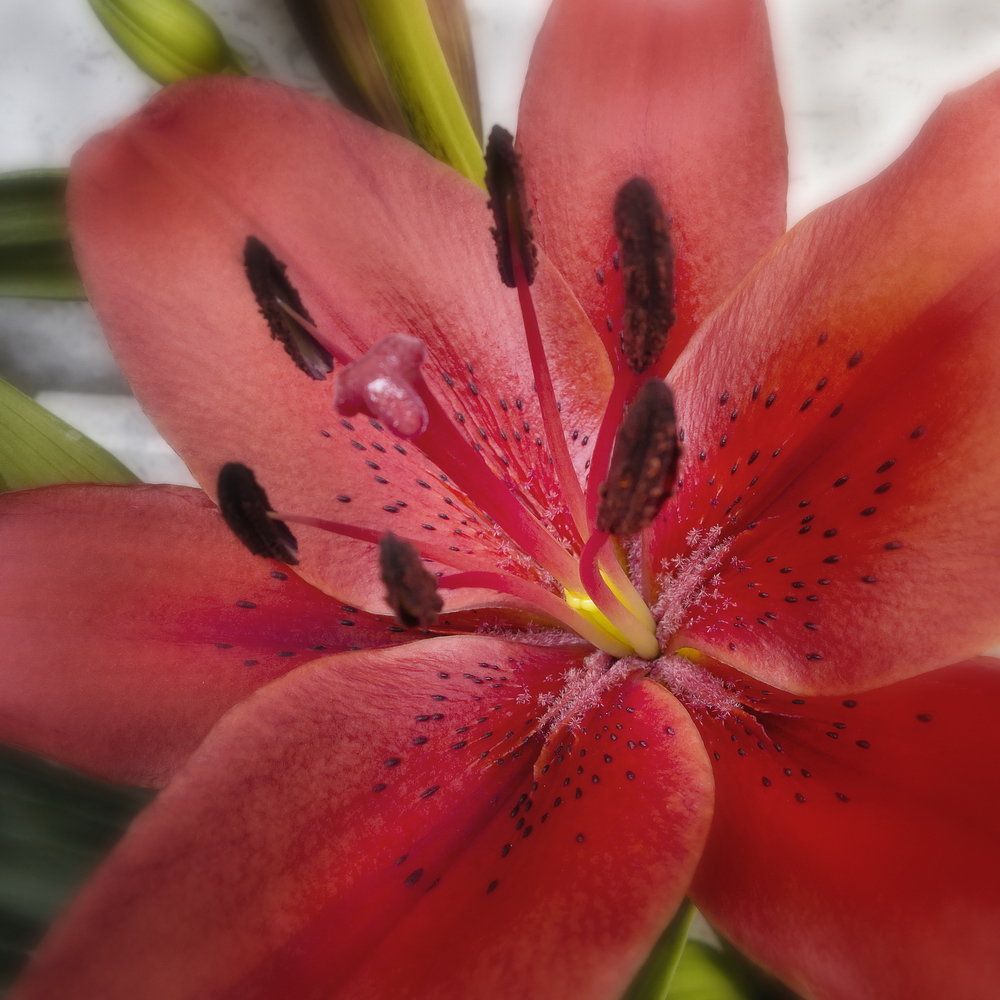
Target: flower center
point(636, 442)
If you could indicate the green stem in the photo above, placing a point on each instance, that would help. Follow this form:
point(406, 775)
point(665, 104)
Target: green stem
point(419, 74)
point(654, 978)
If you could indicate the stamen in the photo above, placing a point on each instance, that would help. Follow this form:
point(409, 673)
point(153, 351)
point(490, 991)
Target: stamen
point(516, 257)
point(460, 560)
point(245, 507)
point(410, 590)
point(647, 261)
point(279, 303)
point(383, 384)
point(477, 572)
point(643, 464)
point(505, 183)
point(623, 588)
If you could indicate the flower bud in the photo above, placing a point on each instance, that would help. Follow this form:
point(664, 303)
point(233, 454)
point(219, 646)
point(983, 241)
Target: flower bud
point(406, 65)
point(168, 39)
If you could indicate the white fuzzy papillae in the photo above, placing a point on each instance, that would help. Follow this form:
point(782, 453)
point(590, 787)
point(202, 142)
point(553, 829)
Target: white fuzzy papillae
point(690, 581)
point(583, 689)
point(532, 636)
point(694, 687)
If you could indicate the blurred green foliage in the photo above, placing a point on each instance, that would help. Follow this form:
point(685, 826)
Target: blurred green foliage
point(55, 826)
point(35, 256)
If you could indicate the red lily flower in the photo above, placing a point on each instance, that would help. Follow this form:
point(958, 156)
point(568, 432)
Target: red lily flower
point(485, 808)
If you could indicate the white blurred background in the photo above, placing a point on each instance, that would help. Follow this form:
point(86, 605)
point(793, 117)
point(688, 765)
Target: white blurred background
point(858, 77)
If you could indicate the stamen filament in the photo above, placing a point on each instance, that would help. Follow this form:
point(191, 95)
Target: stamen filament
point(468, 566)
point(340, 356)
point(643, 640)
point(544, 601)
point(624, 387)
point(623, 588)
point(438, 553)
point(554, 432)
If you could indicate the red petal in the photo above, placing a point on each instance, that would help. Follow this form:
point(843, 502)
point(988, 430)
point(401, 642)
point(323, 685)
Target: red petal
point(880, 881)
point(344, 832)
point(682, 94)
point(379, 238)
point(133, 620)
point(846, 405)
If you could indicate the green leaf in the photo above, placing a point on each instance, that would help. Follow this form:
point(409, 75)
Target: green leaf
point(654, 978)
point(170, 40)
point(37, 448)
point(35, 256)
point(418, 72)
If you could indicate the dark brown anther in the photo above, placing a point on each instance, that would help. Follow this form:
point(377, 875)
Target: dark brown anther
point(411, 591)
point(245, 507)
point(643, 464)
point(276, 296)
point(647, 260)
point(505, 183)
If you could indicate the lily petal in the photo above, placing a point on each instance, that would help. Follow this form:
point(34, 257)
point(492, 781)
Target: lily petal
point(133, 620)
point(339, 825)
point(865, 850)
point(683, 94)
point(379, 238)
point(838, 405)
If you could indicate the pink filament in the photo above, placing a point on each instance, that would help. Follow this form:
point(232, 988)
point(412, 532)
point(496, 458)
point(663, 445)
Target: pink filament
point(439, 553)
point(600, 460)
point(472, 567)
point(602, 595)
point(339, 355)
point(565, 473)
